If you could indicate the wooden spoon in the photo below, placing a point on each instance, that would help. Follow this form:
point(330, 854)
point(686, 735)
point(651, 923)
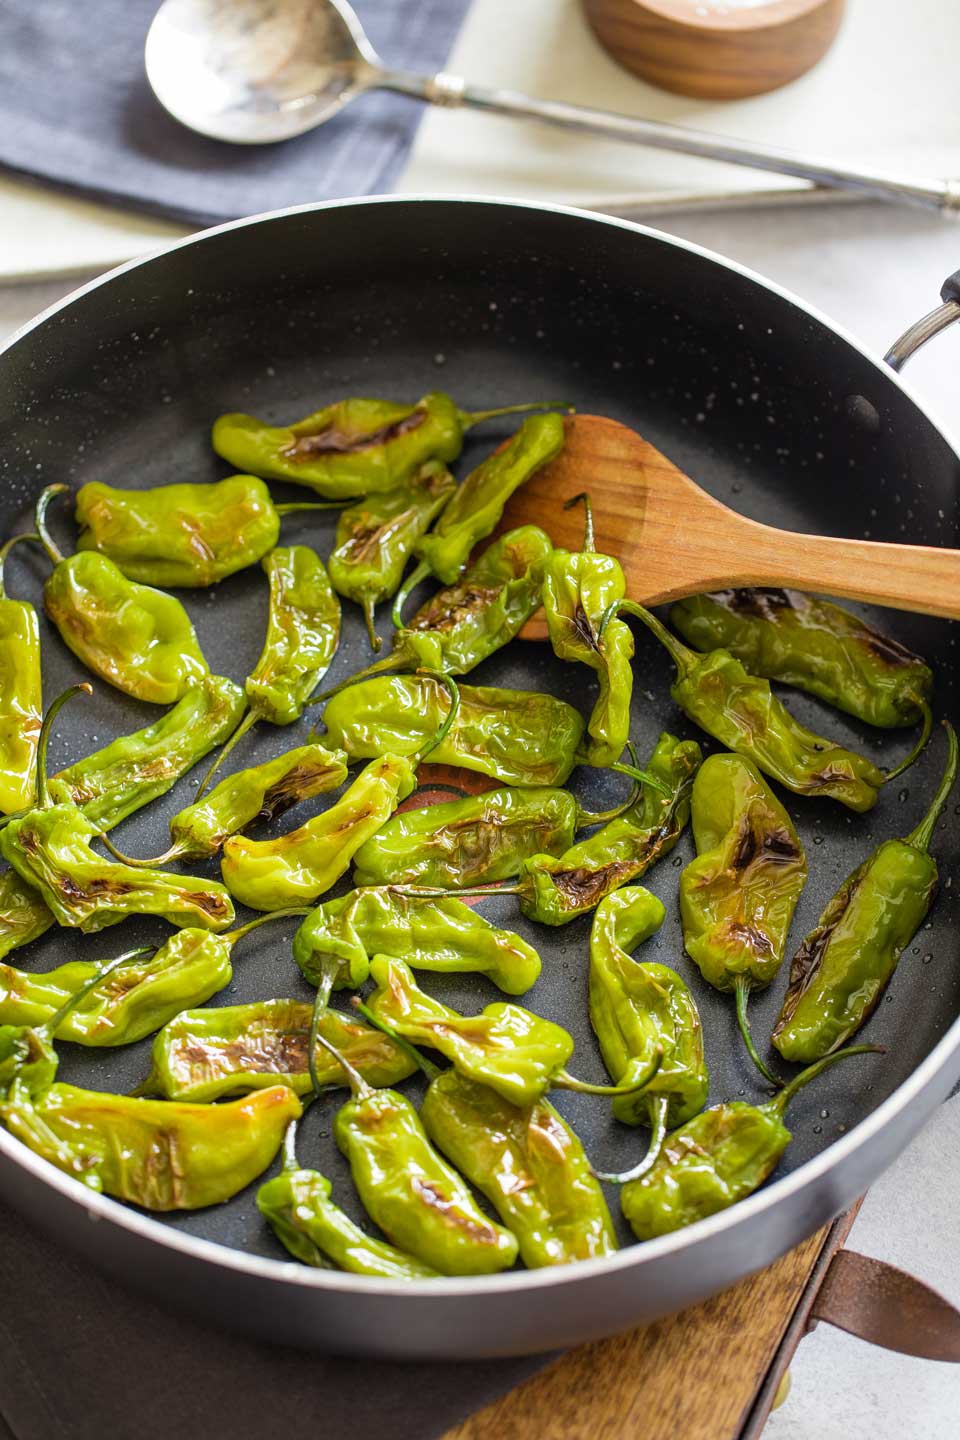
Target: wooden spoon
point(674, 540)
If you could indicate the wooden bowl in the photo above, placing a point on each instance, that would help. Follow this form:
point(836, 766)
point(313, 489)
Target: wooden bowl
point(716, 49)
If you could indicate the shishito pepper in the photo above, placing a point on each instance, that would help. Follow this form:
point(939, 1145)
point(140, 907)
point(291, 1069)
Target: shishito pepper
point(516, 1053)
point(719, 1157)
point(476, 840)
point(479, 614)
point(738, 897)
point(303, 631)
point(297, 1206)
point(134, 637)
point(476, 508)
point(742, 712)
point(407, 1188)
point(136, 769)
point(840, 970)
point(334, 944)
point(181, 535)
point(155, 1153)
point(20, 695)
point(299, 867)
point(24, 916)
point(520, 737)
point(578, 590)
point(815, 646)
point(639, 1010)
point(50, 847)
point(205, 1055)
point(528, 1163)
point(353, 447)
point(375, 539)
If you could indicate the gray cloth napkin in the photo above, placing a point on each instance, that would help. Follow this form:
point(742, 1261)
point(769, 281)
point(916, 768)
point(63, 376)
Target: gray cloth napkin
point(76, 111)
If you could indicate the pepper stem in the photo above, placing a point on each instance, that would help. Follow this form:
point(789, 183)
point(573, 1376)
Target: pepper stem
point(779, 1103)
point(563, 1081)
point(427, 1066)
point(418, 574)
point(437, 892)
point(358, 1086)
point(741, 990)
point(54, 553)
point(921, 836)
point(50, 1026)
point(469, 418)
point(85, 688)
point(917, 750)
point(255, 924)
point(601, 817)
point(584, 499)
point(644, 776)
point(150, 862)
point(659, 1105)
point(369, 617)
point(453, 690)
point(5, 551)
point(294, 505)
point(681, 655)
point(394, 661)
point(247, 723)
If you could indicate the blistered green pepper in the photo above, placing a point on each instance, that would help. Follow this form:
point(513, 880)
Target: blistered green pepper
point(528, 1163)
point(520, 737)
point(375, 539)
point(297, 1206)
point(50, 847)
point(639, 1010)
point(578, 590)
point(181, 535)
point(742, 712)
point(337, 939)
point(20, 695)
point(738, 897)
point(24, 916)
point(840, 970)
point(353, 447)
point(205, 1055)
point(478, 615)
point(136, 769)
point(516, 1053)
point(815, 646)
point(475, 510)
point(719, 1157)
point(473, 841)
point(155, 1153)
point(134, 637)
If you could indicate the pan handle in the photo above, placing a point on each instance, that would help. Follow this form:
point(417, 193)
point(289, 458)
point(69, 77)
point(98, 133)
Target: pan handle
point(886, 1306)
point(946, 314)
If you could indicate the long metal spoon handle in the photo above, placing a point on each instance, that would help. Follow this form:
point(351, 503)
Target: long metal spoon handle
point(451, 90)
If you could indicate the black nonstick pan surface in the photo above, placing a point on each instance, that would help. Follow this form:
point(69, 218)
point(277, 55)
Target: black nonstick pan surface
point(764, 404)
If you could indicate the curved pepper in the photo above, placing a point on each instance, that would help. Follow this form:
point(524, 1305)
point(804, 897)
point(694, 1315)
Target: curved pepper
point(297, 1206)
point(815, 646)
point(155, 1153)
point(50, 847)
point(136, 769)
point(204, 1055)
point(738, 897)
point(839, 972)
point(375, 539)
point(136, 638)
point(24, 916)
point(353, 447)
point(520, 737)
point(719, 1157)
point(476, 508)
point(21, 701)
point(578, 590)
point(528, 1163)
point(639, 1010)
point(741, 711)
point(336, 940)
point(181, 535)
point(473, 841)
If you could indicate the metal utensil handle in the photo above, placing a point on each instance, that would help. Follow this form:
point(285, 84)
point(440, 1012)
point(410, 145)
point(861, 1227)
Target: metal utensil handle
point(929, 326)
point(451, 90)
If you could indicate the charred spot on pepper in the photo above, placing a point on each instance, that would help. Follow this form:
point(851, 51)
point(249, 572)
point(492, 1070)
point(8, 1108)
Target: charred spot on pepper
point(583, 625)
point(431, 1194)
point(454, 605)
point(330, 441)
point(756, 603)
point(748, 936)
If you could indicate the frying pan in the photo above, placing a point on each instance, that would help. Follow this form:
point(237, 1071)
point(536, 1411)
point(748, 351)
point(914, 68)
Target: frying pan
point(759, 399)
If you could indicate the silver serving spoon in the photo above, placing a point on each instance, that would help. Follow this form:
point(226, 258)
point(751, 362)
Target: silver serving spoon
point(255, 71)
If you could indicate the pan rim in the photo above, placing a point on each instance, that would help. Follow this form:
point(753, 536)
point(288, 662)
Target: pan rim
point(145, 1227)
